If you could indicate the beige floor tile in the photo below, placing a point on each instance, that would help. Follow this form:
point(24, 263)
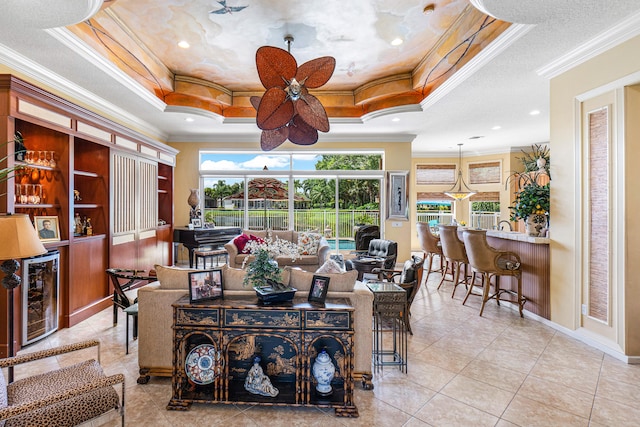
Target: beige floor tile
point(395, 392)
point(577, 373)
point(621, 392)
point(445, 411)
point(529, 413)
point(416, 422)
point(558, 396)
point(611, 413)
point(616, 370)
point(495, 374)
point(478, 394)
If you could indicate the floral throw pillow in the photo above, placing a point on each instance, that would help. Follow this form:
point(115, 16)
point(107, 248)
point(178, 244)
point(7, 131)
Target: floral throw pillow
point(308, 243)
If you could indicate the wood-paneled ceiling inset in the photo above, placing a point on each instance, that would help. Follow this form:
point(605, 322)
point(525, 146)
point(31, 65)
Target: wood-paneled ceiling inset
point(217, 72)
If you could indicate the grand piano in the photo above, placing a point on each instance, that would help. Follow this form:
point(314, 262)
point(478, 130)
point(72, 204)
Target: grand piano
point(199, 237)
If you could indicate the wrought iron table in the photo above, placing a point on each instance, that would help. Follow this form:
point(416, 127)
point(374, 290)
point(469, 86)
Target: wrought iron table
point(389, 309)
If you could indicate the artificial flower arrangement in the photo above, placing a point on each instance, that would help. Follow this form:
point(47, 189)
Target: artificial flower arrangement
point(532, 199)
point(262, 268)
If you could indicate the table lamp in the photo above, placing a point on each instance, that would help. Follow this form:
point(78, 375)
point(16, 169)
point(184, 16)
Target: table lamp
point(19, 240)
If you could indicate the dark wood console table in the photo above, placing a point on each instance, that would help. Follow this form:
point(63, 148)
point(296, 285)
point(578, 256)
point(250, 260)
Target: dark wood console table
point(286, 337)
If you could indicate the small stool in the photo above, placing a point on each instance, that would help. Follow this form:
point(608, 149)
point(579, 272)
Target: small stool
point(206, 254)
point(132, 311)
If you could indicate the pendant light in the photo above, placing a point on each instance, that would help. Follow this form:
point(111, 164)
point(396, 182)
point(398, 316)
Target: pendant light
point(460, 190)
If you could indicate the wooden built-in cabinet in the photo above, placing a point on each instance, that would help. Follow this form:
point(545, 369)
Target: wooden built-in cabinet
point(83, 147)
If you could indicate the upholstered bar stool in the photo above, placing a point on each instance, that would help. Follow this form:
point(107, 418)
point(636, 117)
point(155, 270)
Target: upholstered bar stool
point(492, 263)
point(430, 244)
point(455, 255)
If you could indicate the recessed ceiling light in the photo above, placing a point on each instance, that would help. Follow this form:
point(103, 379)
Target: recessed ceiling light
point(496, 128)
point(535, 112)
point(189, 119)
point(476, 137)
point(395, 119)
point(397, 41)
point(184, 44)
point(428, 9)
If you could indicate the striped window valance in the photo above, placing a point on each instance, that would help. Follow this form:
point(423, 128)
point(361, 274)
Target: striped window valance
point(485, 173)
point(435, 174)
point(487, 196)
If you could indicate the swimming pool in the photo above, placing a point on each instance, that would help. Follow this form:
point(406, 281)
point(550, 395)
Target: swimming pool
point(346, 244)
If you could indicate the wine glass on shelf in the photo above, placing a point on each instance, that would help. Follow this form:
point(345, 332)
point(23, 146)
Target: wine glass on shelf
point(43, 158)
point(52, 160)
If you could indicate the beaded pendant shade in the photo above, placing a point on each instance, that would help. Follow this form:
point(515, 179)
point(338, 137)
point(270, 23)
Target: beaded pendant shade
point(460, 190)
point(287, 110)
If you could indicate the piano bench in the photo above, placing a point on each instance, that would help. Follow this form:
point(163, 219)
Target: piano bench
point(206, 254)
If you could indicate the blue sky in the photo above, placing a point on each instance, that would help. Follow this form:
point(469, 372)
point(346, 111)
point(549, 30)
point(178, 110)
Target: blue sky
point(257, 161)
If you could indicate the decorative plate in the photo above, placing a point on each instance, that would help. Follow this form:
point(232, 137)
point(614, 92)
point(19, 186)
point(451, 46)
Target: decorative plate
point(203, 363)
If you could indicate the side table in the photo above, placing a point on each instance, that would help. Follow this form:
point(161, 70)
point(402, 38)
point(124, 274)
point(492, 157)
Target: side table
point(389, 310)
point(365, 265)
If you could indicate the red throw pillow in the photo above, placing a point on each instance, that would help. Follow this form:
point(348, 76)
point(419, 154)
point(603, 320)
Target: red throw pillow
point(241, 242)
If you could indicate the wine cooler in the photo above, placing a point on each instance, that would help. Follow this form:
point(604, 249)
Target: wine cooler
point(40, 279)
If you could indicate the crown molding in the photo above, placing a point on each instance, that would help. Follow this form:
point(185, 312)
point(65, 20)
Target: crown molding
point(625, 30)
point(193, 111)
point(486, 55)
point(255, 137)
point(408, 108)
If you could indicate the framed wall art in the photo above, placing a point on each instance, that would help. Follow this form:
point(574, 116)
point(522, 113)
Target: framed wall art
point(397, 195)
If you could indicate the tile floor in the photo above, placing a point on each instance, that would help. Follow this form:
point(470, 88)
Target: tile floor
point(464, 370)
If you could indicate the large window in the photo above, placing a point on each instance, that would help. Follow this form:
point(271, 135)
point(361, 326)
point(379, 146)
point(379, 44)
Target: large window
point(330, 193)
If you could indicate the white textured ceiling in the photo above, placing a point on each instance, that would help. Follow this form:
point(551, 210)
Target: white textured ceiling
point(499, 89)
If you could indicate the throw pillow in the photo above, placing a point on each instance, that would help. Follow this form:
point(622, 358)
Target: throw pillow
point(308, 243)
point(241, 242)
point(173, 277)
point(329, 266)
point(341, 282)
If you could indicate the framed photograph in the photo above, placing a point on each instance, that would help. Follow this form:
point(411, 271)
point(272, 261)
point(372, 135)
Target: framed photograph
point(205, 285)
point(319, 288)
point(197, 222)
point(398, 196)
point(48, 228)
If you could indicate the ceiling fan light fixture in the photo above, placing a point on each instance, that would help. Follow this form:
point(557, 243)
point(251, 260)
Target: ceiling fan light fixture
point(460, 189)
point(287, 110)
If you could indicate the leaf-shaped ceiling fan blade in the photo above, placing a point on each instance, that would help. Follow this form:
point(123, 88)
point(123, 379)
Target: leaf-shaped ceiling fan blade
point(273, 110)
point(255, 101)
point(301, 133)
point(316, 72)
point(312, 112)
point(273, 64)
point(271, 139)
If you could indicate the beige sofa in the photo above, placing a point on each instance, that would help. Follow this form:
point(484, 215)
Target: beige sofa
point(155, 314)
point(305, 262)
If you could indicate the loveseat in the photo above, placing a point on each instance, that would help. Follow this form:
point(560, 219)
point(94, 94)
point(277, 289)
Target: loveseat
point(155, 313)
point(313, 252)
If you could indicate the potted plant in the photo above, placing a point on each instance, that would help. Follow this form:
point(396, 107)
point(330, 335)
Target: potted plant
point(532, 205)
point(263, 272)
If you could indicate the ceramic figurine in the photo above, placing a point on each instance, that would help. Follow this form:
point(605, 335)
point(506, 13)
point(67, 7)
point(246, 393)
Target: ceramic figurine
point(323, 372)
point(258, 383)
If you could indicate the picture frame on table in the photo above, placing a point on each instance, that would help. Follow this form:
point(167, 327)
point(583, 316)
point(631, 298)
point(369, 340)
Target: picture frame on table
point(319, 288)
point(205, 285)
point(398, 195)
point(48, 228)
point(196, 222)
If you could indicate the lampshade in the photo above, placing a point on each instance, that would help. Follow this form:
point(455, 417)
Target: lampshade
point(460, 190)
point(19, 237)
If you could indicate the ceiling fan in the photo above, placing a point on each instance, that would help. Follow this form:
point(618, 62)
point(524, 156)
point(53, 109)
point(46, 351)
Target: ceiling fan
point(287, 110)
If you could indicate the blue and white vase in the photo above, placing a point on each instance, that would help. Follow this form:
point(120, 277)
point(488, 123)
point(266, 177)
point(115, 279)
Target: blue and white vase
point(323, 371)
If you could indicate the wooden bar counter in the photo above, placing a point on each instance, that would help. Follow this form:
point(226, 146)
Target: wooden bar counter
point(536, 277)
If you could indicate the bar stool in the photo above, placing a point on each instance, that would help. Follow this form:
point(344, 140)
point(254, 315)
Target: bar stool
point(455, 254)
point(492, 263)
point(431, 247)
point(210, 254)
